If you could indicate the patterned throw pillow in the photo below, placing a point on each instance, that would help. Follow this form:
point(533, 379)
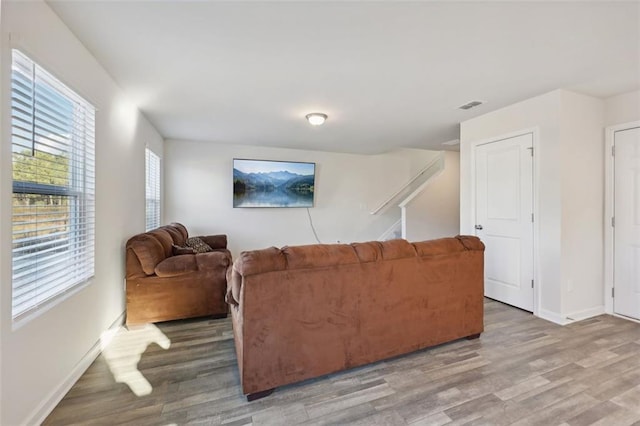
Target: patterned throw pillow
point(198, 245)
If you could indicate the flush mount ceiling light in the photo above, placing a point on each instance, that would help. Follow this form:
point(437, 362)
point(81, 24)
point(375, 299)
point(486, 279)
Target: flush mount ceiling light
point(316, 118)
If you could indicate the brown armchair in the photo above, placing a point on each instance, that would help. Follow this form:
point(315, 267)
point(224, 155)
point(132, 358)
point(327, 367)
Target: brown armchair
point(164, 284)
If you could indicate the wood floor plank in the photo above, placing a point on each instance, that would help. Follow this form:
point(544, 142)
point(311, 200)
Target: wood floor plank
point(522, 370)
point(561, 410)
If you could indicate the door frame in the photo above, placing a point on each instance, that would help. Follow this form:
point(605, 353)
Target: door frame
point(609, 200)
point(535, 134)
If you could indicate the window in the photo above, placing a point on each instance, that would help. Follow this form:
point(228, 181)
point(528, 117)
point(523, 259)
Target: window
point(152, 195)
point(53, 215)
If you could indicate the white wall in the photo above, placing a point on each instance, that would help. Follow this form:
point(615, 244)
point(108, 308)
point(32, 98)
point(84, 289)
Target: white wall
point(541, 113)
point(623, 108)
point(4, 175)
point(198, 193)
point(435, 212)
point(41, 356)
point(569, 195)
point(582, 136)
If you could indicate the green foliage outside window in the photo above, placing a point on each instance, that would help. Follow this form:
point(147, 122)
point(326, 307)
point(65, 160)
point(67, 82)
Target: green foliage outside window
point(51, 210)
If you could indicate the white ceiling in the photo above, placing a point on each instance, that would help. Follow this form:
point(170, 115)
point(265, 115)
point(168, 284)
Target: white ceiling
point(388, 73)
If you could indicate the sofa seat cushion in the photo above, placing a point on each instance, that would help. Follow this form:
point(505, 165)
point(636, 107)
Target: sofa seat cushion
point(176, 265)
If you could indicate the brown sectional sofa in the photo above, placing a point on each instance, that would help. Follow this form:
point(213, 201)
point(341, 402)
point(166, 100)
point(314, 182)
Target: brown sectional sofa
point(161, 286)
point(303, 312)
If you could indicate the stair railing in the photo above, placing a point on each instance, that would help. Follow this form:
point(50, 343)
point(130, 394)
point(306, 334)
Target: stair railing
point(438, 161)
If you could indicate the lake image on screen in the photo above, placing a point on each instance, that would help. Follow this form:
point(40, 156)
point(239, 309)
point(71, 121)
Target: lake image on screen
point(272, 184)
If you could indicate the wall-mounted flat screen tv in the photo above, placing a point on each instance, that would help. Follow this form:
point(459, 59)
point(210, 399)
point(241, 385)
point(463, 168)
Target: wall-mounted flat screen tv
point(263, 183)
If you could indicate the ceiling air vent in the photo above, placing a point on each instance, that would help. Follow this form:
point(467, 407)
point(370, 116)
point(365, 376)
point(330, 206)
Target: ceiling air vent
point(470, 105)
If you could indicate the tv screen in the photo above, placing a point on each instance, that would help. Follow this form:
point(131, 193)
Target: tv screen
point(264, 183)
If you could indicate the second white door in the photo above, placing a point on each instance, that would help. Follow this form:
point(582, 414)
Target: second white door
point(627, 223)
point(504, 218)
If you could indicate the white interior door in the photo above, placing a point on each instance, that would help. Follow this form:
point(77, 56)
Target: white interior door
point(504, 218)
point(626, 232)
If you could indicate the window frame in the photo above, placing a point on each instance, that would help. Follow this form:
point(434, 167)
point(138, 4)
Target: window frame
point(75, 242)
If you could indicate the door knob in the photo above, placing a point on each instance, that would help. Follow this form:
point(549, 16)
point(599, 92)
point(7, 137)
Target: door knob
point(478, 227)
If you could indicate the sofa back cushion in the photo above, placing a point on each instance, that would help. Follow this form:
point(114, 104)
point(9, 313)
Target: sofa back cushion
point(149, 251)
point(444, 246)
point(397, 249)
point(331, 255)
point(297, 257)
point(259, 261)
point(176, 235)
point(165, 239)
point(438, 247)
point(319, 256)
point(180, 228)
point(368, 252)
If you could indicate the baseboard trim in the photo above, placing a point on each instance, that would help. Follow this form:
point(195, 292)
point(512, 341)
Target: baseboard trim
point(572, 317)
point(53, 399)
point(553, 317)
point(585, 313)
point(626, 318)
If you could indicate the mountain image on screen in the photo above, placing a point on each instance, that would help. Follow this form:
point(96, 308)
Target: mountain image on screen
point(280, 188)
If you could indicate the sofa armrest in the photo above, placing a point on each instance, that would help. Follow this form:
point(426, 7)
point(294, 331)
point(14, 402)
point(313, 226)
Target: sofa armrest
point(176, 265)
point(215, 241)
point(218, 259)
point(234, 283)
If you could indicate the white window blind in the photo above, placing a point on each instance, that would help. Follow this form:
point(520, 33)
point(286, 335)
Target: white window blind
point(52, 142)
point(152, 167)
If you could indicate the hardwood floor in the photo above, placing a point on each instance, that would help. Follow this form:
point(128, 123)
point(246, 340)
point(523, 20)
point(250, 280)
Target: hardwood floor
point(522, 371)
